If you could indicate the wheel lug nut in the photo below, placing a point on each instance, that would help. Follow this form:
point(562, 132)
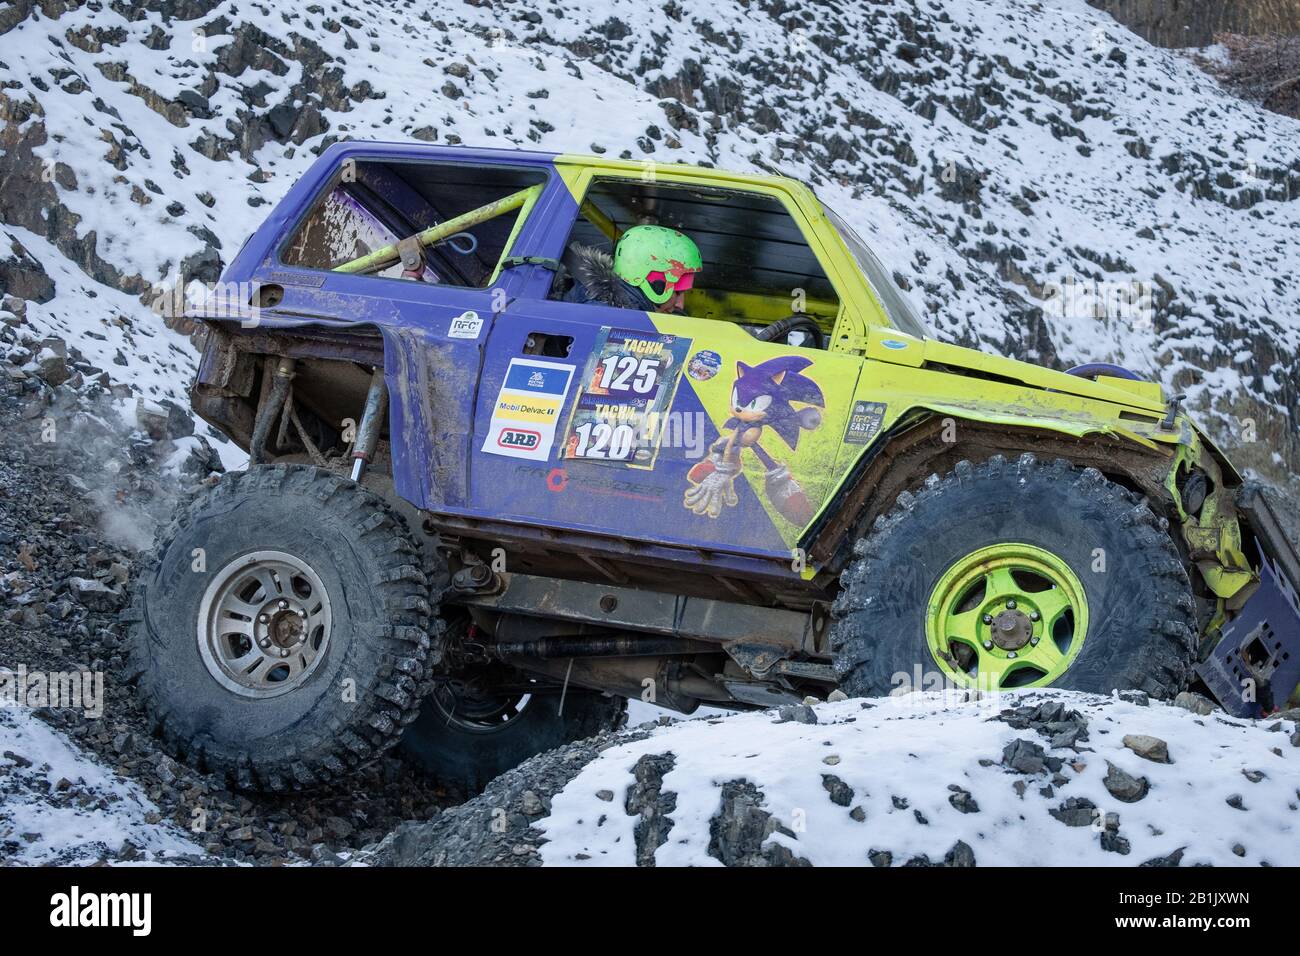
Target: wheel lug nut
point(988, 618)
point(1011, 605)
point(1033, 641)
point(988, 645)
point(284, 652)
point(1011, 653)
point(1034, 615)
point(263, 618)
point(263, 643)
point(283, 604)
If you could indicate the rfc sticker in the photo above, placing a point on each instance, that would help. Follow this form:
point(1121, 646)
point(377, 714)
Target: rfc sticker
point(864, 422)
point(467, 325)
point(625, 396)
point(527, 409)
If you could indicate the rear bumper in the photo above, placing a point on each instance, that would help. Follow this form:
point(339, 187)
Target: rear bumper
point(1256, 665)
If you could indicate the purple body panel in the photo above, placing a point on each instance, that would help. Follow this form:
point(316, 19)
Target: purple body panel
point(597, 496)
point(443, 389)
point(1261, 644)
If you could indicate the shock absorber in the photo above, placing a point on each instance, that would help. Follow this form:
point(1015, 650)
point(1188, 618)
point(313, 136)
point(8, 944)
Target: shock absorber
point(270, 410)
point(372, 423)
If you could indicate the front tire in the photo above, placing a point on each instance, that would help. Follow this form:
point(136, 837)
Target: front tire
point(1000, 576)
point(283, 633)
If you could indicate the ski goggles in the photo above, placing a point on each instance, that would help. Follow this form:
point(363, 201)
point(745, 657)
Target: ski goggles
point(659, 281)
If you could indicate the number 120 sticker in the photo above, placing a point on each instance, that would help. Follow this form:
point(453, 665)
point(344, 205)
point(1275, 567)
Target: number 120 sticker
point(627, 390)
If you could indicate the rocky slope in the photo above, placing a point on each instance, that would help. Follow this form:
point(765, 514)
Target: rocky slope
point(82, 487)
point(994, 152)
point(1030, 779)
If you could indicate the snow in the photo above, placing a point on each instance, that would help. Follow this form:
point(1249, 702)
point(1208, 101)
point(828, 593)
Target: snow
point(914, 747)
point(81, 823)
point(87, 314)
point(901, 756)
point(640, 712)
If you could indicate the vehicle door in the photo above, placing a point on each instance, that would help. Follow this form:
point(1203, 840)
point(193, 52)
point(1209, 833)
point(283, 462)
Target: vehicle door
point(672, 429)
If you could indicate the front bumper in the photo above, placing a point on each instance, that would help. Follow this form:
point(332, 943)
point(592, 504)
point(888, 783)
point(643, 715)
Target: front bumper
point(1255, 667)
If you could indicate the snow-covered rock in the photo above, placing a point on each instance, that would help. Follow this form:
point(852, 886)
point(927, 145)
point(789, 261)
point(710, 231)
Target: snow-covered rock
point(1041, 778)
point(60, 807)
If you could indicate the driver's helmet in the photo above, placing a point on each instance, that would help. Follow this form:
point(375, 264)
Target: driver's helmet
point(657, 260)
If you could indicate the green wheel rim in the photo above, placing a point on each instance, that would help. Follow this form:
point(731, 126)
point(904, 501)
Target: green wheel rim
point(1009, 615)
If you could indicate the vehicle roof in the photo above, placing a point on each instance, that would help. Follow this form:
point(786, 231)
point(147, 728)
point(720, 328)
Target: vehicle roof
point(379, 149)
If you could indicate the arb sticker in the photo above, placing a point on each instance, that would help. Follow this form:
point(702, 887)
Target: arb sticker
point(519, 438)
point(527, 409)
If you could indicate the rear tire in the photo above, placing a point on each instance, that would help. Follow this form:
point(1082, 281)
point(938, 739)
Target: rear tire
point(283, 633)
point(893, 618)
point(464, 742)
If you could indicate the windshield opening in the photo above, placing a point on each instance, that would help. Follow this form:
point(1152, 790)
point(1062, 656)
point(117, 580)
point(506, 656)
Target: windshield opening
point(898, 309)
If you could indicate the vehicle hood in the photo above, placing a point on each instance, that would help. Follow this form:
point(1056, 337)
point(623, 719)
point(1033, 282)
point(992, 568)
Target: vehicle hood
point(889, 345)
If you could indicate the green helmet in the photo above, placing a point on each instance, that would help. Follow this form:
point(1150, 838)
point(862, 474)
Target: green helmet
point(657, 253)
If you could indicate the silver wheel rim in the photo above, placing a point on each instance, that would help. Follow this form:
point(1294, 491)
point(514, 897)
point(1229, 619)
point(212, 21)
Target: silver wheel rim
point(264, 624)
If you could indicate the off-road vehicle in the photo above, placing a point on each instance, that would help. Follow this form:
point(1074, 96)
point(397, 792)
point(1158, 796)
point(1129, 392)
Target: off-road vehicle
point(477, 517)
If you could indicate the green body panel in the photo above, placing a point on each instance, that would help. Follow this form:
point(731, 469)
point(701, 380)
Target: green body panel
point(899, 377)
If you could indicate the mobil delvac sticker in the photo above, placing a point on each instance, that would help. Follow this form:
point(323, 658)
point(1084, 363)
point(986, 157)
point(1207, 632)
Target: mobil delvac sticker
point(527, 409)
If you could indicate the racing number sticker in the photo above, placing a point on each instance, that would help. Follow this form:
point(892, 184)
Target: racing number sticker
point(527, 409)
point(626, 393)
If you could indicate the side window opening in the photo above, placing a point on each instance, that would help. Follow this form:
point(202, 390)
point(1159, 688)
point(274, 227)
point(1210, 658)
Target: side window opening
point(758, 268)
point(430, 222)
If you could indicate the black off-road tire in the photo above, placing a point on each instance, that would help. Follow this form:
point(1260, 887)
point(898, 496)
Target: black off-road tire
point(384, 640)
point(1141, 611)
point(467, 761)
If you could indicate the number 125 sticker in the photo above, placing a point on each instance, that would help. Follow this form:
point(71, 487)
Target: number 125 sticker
point(626, 389)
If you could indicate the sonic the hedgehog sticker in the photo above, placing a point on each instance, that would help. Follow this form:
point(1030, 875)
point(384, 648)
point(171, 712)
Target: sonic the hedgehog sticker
point(775, 397)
